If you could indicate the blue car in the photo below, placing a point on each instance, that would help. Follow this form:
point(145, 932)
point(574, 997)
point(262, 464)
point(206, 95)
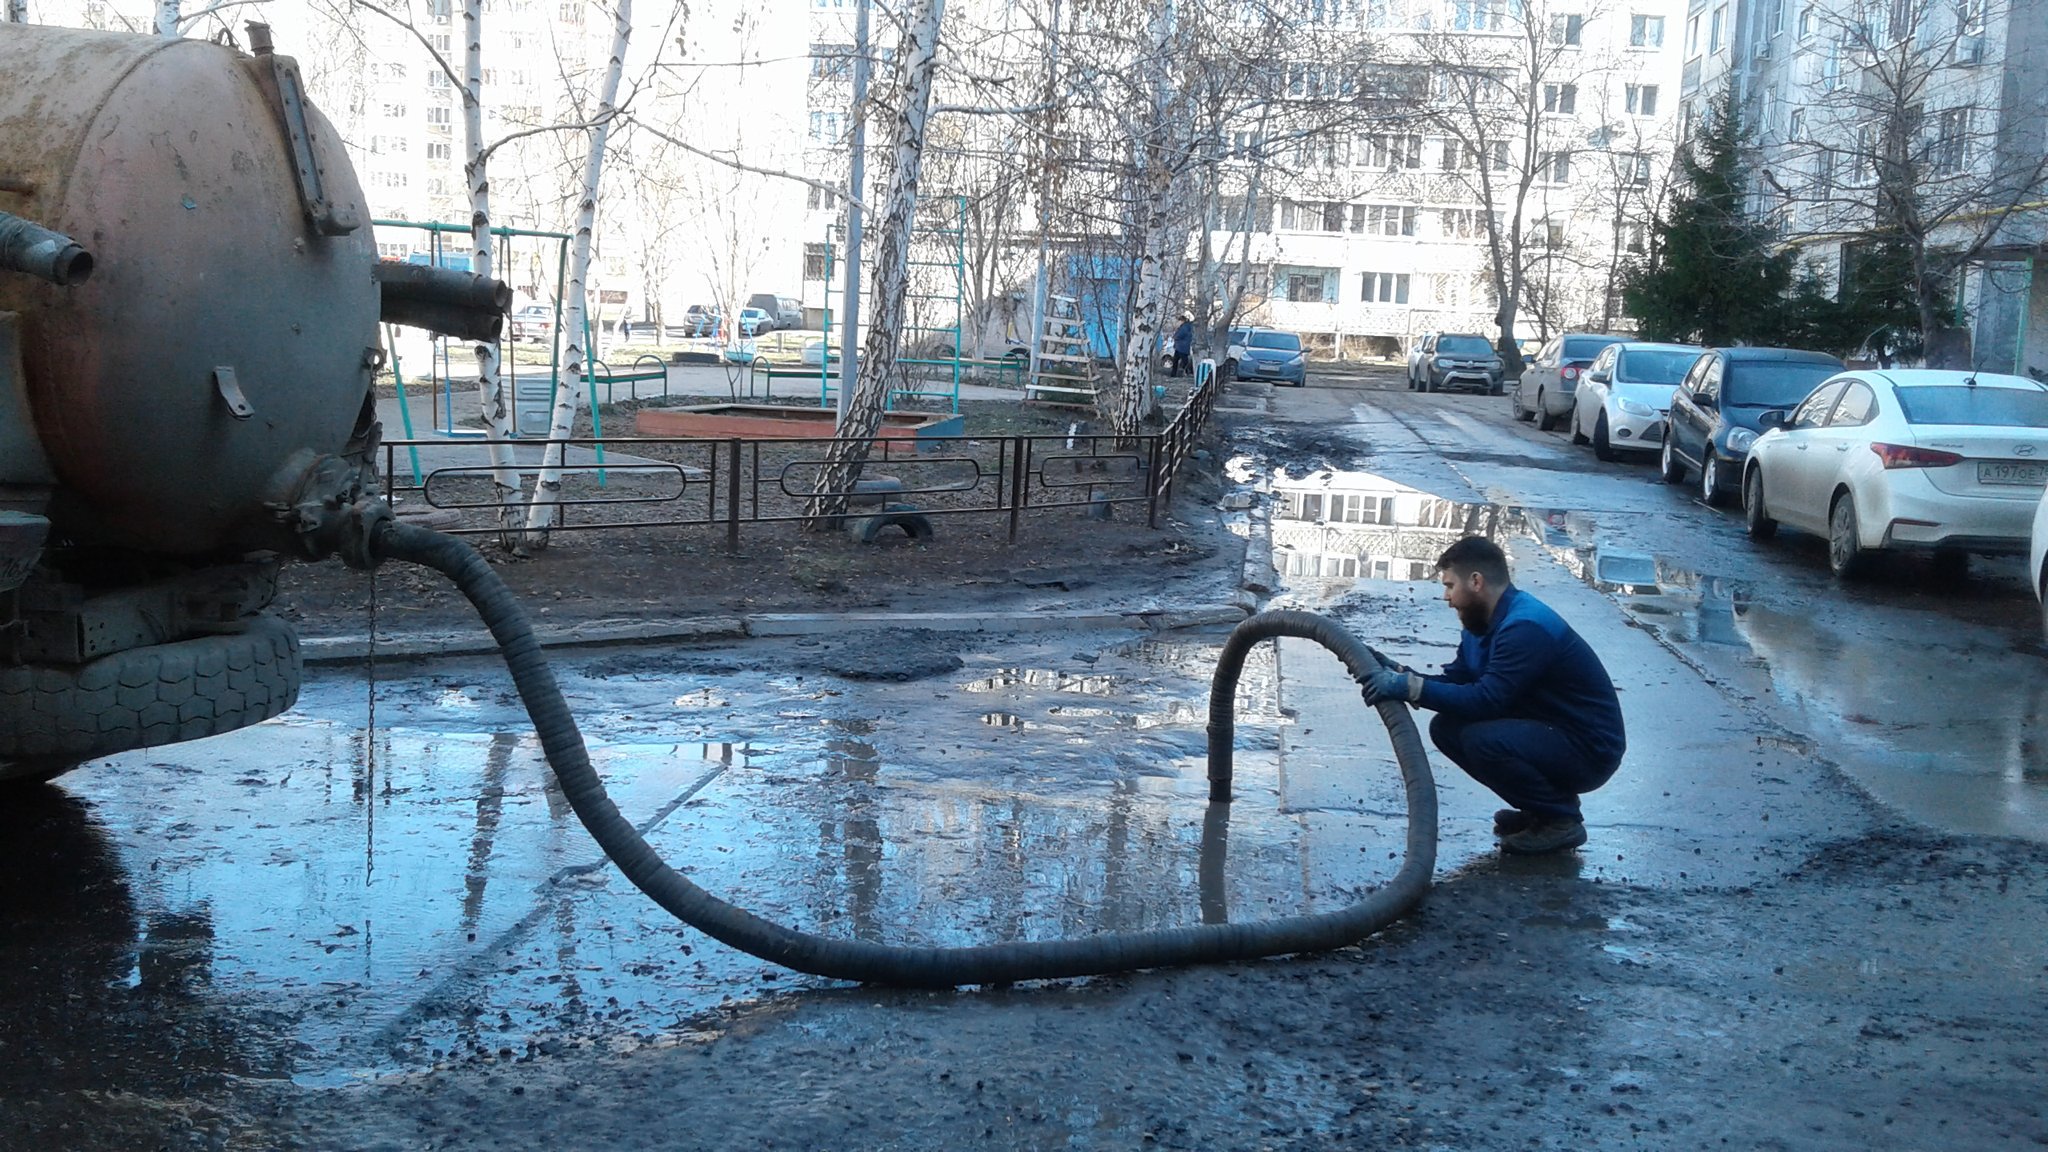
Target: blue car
point(1270, 354)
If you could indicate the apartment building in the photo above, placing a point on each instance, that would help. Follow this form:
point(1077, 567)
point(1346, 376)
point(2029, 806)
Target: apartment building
point(1365, 236)
point(1848, 100)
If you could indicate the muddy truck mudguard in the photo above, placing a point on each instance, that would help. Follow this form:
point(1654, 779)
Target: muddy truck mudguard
point(944, 967)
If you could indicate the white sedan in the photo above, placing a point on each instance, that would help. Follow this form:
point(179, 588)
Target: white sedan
point(2037, 558)
point(1947, 462)
point(1621, 400)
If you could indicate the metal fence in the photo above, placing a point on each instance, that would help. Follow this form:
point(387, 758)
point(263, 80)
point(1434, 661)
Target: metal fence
point(646, 482)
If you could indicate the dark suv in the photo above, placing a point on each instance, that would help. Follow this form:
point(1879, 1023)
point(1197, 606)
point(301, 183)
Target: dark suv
point(1456, 360)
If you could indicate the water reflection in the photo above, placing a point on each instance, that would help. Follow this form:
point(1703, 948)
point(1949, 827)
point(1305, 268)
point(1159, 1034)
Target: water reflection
point(1347, 525)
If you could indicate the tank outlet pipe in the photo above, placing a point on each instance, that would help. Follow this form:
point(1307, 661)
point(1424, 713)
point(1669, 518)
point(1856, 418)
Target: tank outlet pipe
point(459, 304)
point(930, 967)
point(31, 248)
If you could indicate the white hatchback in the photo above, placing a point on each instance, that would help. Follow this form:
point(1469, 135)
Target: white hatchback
point(1621, 400)
point(1947, 462)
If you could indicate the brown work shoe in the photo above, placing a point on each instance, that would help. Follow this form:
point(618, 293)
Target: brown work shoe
point(1509, 821)
point(1545, 836)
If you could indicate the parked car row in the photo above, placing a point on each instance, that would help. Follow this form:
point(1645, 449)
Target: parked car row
point(1943, 463)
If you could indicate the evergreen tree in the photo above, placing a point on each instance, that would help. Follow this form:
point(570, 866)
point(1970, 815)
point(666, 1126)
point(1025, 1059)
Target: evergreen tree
point(1713, 277)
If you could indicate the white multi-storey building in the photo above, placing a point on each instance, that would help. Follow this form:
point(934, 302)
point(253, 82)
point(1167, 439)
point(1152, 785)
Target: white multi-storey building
point(1858, 108)
point(1365, 238)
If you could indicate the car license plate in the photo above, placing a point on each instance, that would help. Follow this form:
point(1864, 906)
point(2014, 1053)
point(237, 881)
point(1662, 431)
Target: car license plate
point(2012, 472)
point(1269, 367)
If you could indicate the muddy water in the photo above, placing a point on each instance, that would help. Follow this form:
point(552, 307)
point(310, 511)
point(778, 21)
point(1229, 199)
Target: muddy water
point(349, 900)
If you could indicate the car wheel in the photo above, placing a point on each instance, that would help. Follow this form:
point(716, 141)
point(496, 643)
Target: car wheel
point(1754, 517)
point(1603, 448)
point(1847, 557)
point(1515, 404)
point(1668, 464)
point(1499, 386)
point(1712, 494)
point(1429, 383)
point(1578, 436)
point(1545, 422)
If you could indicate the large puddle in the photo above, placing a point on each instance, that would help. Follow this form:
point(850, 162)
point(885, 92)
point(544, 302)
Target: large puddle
point(1938, 716)
point(317, 900)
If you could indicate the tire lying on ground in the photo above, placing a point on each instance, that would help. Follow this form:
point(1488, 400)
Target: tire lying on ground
point(53, 717)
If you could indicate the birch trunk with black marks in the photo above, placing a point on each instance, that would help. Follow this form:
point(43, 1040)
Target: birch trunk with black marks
point(493, 405)
point(545, 509)
point(884, 339)
point(1141, 356)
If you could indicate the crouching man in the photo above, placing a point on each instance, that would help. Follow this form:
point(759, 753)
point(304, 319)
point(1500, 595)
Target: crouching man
point(1526, 708)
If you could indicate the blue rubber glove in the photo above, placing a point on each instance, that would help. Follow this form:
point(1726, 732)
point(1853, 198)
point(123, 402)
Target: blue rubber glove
point(1392, 684)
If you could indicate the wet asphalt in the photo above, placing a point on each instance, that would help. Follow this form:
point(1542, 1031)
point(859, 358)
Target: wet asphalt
point(386, 880)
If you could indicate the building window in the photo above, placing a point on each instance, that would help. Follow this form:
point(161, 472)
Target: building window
point(1311, 216)
point(827, 127)
point(1641, 99)
point(1383, 220)
point(1548, 234)
point(1464, 223)
point(1635, 237)
point(1476, 15)
point(822, 199)
point(1359, 508)
point(1554, 168)
point(814, 261)
point(1637, 166)
point(437, 11)
point(1645, 31)
point(569, 12)
point(1717, 28)
point(1864, 167)
point(1383, 287)
point(1795, 125)
point(437, 115)
point(831, 61)
point(1305, 285)
point(1560, 98)
point(1949, 143)
point(1567, 30)
point(1809, 19)
point(393, 111)
point(1390, 151)
point(438, 151)
point(1692, 37)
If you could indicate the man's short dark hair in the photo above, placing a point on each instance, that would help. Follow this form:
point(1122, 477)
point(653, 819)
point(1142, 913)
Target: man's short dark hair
point(1476, 554)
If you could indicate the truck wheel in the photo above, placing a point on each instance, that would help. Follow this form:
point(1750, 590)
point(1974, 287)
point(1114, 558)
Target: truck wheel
point(54, 717)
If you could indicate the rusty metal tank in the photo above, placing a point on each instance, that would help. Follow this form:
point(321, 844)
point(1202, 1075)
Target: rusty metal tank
point(227, 333)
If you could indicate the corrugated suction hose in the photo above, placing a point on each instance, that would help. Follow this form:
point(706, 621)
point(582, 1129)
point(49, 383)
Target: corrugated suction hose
point(946, 967)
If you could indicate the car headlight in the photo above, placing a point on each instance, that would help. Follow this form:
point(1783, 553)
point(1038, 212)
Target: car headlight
point(1442, 363)
point(1740, 439)
point(1297, 358)
point(1635, 407)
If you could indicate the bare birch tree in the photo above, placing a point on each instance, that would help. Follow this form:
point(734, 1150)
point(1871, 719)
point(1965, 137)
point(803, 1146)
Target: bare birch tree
point(880, 348)
point(547, 486)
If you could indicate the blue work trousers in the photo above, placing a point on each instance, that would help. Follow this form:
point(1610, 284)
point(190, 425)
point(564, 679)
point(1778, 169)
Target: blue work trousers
point(1531, 765)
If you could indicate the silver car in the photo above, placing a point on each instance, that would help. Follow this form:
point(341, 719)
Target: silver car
point(1620, 403)
point(1546, 387)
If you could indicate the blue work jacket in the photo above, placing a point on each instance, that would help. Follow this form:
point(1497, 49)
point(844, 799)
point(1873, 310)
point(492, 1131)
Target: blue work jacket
point(1530, 665)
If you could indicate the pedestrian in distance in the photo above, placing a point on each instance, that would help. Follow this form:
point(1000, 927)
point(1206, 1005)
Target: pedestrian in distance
point(1525, 708)
point(1183, 347)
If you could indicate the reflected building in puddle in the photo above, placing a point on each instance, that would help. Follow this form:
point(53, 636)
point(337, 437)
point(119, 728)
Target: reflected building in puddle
point(1332, 525)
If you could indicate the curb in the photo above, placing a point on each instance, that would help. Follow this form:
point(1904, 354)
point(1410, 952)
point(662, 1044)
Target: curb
point(354, 649)
point(1258, 576)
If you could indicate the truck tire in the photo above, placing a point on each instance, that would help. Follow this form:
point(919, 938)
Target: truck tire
point(54, 717)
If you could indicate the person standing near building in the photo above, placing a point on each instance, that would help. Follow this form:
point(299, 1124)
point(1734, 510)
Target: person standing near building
point(1183, 347)
point(1525, 708)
